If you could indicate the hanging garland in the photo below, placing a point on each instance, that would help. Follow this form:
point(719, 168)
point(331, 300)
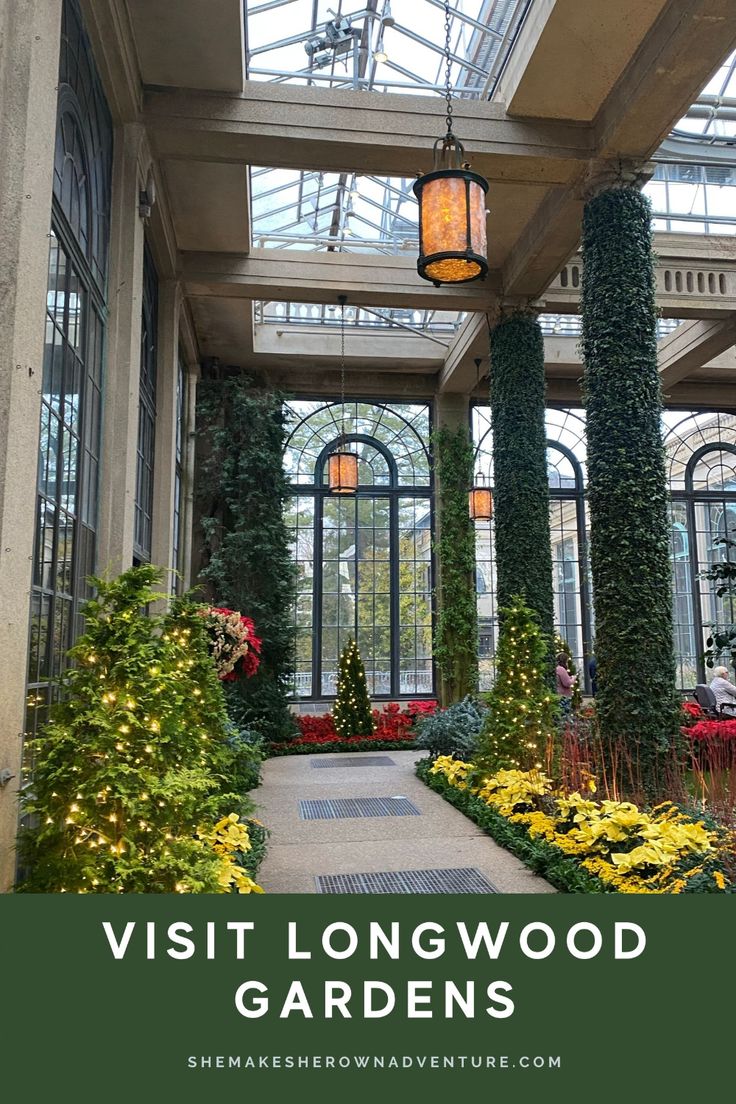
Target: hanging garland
point(629, 538)
point(456, 634)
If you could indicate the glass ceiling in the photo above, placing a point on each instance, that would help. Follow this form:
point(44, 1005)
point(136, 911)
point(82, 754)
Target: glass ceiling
point(397, 46)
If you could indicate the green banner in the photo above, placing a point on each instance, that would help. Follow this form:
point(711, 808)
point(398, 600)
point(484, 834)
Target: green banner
point(128, 998)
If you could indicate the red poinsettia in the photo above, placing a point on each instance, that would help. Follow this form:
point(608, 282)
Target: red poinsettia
point(391, 723)
point(692, 710)
point(712, 730)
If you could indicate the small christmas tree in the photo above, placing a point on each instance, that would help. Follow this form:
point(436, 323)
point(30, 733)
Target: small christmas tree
point(562, 647)
point(127, 776)
point(522, 707)
point(351, 712)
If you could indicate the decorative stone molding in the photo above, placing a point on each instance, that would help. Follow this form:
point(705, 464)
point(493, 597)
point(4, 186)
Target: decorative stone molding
point(513, 304)
point(603, 175)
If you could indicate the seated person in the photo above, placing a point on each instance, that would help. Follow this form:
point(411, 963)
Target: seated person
point(724, 690)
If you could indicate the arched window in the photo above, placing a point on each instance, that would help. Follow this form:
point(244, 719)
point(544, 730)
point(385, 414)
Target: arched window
point(364, 561)
point(701, 455)
point(71, 389)
point(566, 470)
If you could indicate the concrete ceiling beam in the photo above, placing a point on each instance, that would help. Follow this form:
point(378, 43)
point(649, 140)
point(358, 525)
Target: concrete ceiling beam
point(301, 277)
point(694, 280)
point(657, 74)
point(691, 346)
point(190, 44)
point(336, 130)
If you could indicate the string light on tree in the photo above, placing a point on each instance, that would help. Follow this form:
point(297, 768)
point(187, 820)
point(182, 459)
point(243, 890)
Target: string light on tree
point(520, 726)
point(351, 712)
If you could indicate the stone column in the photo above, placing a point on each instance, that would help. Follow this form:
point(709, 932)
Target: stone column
point(521, 489)
point(29, 67)
point(629, 538)
point(164, 470)
point(189, 513)
point(123, 355)
point(456, 622)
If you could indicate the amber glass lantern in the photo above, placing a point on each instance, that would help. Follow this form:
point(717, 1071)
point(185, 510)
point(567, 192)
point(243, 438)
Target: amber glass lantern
point(342, 464)
point(452, 218)
point(342, 472)
point(480, 500)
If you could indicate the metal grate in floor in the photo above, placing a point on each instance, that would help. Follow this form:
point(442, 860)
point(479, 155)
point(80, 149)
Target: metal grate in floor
point(465, 879)
point(355, 761)
point(341, 808)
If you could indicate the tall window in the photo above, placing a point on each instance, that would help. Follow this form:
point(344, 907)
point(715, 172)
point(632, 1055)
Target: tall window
point(701, 458)
point(69, 447)
point(566, 473)
point(179, 474)
point(701, 452)
point(146, 415)
point(364, 561)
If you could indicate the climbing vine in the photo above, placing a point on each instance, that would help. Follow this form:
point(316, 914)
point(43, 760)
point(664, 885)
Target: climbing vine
point(456, 634)
point(627, 483)
point(242, 488)
point(523, 547)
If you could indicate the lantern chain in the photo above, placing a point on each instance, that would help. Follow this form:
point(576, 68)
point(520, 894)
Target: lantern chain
point(342, 299)
point(448, 69)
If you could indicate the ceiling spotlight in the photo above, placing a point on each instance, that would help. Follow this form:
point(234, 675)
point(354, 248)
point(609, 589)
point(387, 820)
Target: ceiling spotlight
point(380, 54)
point(387, 19)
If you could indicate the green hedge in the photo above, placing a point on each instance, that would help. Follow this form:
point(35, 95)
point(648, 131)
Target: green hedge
point(456, 633)
point(561, 871)
point(627, 485)
point(277, 749)
point(521, 488)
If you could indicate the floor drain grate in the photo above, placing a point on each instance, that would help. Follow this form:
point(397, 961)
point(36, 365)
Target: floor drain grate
point(341, 808)
point(355, 761)
point(464, 879)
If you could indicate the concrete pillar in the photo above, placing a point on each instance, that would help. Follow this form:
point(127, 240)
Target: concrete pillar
point(29, 66)
point(123, 344)
point(188, 537)
point(452, 410)
point(164, 468)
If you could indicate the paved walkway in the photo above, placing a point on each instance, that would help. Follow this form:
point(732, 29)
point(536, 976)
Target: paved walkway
point(301, 850)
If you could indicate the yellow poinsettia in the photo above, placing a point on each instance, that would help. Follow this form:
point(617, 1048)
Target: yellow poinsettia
point(228, 838)
point(629, 850)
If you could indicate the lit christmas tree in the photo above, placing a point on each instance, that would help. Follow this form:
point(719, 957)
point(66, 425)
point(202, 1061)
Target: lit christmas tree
point(522, 707)
point(351, 712)
point(128, 770)
point(561, 645)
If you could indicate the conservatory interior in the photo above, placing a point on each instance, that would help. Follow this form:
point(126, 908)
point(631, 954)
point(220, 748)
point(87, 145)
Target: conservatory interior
point(371, 405)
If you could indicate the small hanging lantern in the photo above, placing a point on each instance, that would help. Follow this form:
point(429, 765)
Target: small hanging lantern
point(342, 468)
point(480, 500)
point(342, 465)
point(452, 206)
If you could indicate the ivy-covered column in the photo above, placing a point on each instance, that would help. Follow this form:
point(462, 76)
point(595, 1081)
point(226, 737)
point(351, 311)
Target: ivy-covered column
point(521, 488)
point(456, 620)
point(247, 563)
point(636, 699)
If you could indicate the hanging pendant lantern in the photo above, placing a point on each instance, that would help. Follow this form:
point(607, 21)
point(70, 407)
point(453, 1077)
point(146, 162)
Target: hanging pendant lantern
point(342, 465)
point(452, 206)
point(342, 468)
point(480, 500)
